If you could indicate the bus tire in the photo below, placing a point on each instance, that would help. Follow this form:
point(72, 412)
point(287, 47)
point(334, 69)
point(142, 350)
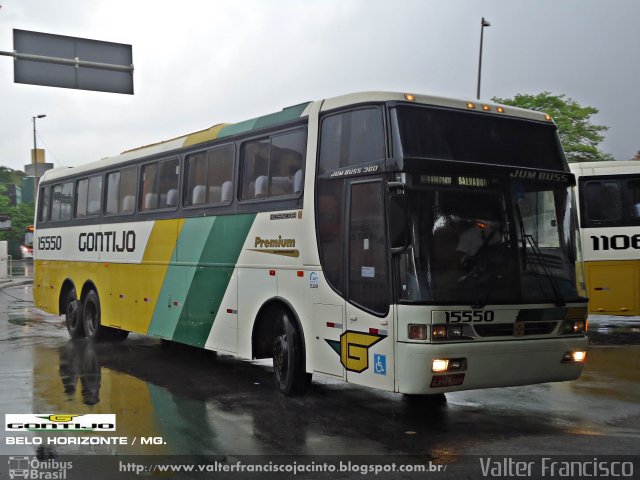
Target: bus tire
point(73, 315)
point(93, 328)
point(288, 357)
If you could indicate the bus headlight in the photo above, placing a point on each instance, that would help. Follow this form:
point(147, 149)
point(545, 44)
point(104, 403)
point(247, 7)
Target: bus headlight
point(440, 365)
point(578, 356)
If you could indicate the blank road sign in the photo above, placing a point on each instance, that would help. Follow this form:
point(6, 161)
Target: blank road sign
point(72, 51)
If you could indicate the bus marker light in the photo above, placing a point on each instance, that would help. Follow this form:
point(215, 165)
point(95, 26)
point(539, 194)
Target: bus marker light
point(471, 105)
point(486, 108)
point(300, 273)
point(272, 273)
point(417, 332)
point(548, 117)
point(410, 97)
point(439, 331)
point(439, 365)
point(500, 109)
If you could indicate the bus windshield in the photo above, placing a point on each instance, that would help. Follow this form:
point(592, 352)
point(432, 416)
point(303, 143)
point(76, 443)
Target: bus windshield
point(507, 242)
point(469, 136)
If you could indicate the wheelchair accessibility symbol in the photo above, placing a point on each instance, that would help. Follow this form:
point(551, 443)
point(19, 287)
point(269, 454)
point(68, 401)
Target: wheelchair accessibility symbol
point(379, 364)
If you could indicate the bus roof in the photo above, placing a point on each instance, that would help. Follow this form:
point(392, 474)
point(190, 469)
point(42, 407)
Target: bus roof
point(611, 167)
point(287, 114)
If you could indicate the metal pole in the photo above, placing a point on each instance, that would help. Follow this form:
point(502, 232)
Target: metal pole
point(33, 161)
point(33, 158)
point(74, 62)
point(483, 23)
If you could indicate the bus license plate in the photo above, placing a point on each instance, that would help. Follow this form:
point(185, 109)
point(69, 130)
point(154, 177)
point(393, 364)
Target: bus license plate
point(447, 380)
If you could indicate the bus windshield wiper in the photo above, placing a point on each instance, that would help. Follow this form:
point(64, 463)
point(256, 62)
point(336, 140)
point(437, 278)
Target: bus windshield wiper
point(560, 301)
point(535, 248)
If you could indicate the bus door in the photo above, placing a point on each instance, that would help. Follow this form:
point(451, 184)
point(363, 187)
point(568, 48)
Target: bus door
point(367, 341)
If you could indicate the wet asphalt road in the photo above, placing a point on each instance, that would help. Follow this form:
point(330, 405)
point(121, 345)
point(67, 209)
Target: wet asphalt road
point(200, 403)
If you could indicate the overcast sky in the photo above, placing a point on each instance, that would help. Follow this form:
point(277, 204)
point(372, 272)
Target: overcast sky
point(199, 63)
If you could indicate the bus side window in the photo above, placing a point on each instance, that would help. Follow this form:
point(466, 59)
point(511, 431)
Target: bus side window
point(62, 201)
point(351, 138)
point(81, 198)
point(209, 177)
point(273, 167)
point(121, 191)
point(94, 195)
point(633, 190)
point(603, 201)
point(43, 205)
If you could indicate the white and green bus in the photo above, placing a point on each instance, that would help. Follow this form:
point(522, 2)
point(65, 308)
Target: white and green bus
point(409, 243)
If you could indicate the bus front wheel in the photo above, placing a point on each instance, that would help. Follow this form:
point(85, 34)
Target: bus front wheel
point(288, 358)
point(73, 315)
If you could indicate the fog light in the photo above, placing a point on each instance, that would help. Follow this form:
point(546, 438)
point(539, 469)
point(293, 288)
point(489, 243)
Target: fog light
point(457, 365)
point(439, 331)
point(574, 357)
point(439, 365)
point(417, 332)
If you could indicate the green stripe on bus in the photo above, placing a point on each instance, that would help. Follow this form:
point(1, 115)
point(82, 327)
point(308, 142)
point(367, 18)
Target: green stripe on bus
point(188, 250)
point(211, 278)
point(286, 115)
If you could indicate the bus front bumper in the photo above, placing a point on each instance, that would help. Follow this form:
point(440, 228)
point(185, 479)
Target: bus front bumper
point(487, 364)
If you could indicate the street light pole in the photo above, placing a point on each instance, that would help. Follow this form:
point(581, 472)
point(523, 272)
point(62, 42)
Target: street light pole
point(483, 23)
point(34, 158)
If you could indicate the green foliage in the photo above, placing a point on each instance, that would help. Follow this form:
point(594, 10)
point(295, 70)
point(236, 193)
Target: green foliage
point(579, 137)
point(8, 175)
point(21, 216)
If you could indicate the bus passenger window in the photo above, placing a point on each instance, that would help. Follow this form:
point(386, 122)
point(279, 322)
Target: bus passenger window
point(273, 167)
point(168, 177)
point(121, 191)
point(43, 205)
point(603, 201)
point(149, 198)
point(94, 195)
point(209, 177)
point(62, 202)
point(81, 198)
point(88, 194)
point(633, 189)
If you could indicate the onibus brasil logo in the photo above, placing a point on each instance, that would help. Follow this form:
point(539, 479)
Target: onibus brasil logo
point(95, 422)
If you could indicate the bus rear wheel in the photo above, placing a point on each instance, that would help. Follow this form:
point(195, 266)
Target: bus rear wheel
point(94, 330)
point(288, 357)
point(73, 315)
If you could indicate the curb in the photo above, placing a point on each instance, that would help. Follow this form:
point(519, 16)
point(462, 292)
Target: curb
point(15, 283)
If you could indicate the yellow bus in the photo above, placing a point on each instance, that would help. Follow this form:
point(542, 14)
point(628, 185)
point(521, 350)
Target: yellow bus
point(410, 243)
point(609, 194)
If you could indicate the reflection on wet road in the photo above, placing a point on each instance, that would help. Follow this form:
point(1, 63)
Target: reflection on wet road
point(200, 403)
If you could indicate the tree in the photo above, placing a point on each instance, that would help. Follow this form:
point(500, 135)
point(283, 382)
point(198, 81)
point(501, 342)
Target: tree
point(21, 215)
point(579, 137)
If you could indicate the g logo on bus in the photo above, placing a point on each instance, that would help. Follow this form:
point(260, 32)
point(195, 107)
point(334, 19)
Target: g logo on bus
point(353, 349)
point(518, 329)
